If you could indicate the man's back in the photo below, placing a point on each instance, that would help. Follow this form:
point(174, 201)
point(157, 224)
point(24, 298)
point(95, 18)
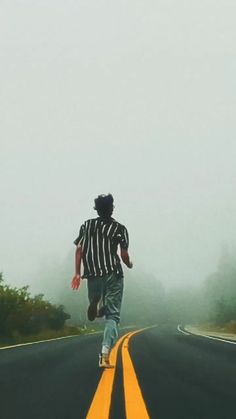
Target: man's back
point(99, 239)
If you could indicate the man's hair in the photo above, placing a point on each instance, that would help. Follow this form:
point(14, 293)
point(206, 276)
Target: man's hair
point(104, 205)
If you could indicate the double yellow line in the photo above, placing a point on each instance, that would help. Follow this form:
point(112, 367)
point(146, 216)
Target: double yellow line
point(134, 403)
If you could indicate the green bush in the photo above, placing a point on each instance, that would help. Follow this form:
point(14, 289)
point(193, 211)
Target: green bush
point(22, 314)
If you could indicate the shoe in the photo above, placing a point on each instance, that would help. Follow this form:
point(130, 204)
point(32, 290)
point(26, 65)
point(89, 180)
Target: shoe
point(92, 310)
point(104, 361)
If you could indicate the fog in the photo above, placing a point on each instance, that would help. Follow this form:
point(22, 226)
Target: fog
point(134, 98)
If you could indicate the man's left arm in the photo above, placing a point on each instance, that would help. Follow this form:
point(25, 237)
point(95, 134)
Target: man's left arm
point(124, 244)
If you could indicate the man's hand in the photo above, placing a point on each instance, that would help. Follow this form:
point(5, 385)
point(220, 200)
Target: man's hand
point(130, 266)
point(75, 283)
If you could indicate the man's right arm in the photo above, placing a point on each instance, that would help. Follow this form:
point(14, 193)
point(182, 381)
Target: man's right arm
point(75, 283)
point(78, 258)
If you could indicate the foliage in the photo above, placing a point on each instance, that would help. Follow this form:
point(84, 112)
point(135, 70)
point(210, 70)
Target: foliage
point(146, 301)
point(22, 314)
point(220, 290)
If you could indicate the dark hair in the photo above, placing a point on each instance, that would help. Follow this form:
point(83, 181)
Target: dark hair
point(104, 205)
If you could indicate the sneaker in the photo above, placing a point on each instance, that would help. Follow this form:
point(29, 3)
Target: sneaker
point(104, 361)
point(92, 310)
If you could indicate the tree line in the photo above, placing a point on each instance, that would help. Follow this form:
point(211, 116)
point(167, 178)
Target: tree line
point(220, 290)
point(148, 301)
point(21, 314)
point(211, 303)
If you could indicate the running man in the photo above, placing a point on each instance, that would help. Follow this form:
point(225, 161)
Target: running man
point(97, 246)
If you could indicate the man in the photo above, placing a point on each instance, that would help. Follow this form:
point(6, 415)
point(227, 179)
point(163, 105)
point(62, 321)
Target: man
point(97, 245)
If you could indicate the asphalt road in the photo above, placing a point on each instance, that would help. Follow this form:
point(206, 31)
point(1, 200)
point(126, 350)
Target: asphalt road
point(180, 376)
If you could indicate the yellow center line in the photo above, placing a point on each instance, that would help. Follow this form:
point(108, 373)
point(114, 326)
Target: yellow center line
point(134, 404)
point(100, 406)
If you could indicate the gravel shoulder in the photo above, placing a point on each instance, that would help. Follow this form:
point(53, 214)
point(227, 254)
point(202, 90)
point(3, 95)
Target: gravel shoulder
point(201, 330)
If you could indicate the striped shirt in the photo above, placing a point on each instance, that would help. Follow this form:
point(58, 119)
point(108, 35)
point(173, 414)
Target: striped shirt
point(99, 240)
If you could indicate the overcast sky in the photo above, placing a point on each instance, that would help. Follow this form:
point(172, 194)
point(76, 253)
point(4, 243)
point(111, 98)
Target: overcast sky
point(136, 98)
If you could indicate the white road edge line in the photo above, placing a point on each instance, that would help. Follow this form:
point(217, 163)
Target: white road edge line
point(219, 339)
point(182, 331)
point(46, 340)
point(206, 336)
point(18, 345)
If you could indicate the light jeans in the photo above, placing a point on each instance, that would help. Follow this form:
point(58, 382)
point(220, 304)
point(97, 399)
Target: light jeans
point(109, 289)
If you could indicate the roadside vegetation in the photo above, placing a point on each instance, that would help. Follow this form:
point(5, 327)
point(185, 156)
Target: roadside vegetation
point(147, 301)
point(211, 306)
point(219, 294)
point(24, 318)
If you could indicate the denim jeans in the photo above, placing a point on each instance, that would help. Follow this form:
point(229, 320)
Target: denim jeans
point(109, 289)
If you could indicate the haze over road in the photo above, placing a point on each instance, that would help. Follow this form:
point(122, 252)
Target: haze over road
point(134, 98)
point(180, 376)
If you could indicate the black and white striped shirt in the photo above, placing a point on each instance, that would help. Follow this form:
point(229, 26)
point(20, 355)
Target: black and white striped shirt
point(99, 240)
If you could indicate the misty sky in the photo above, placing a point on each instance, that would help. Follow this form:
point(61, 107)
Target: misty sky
point(136, 98)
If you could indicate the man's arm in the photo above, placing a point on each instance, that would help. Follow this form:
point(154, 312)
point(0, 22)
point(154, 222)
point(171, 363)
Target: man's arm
point(125, 258)
point(78, 258)
point(75, 283)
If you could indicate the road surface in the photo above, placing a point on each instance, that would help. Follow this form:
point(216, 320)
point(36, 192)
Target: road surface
point(160, 373)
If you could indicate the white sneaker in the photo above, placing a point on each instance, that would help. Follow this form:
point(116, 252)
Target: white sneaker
point(104, 361)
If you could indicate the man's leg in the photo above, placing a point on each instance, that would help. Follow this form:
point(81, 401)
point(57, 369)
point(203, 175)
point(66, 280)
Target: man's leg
point(113, 292)
point(95, 286)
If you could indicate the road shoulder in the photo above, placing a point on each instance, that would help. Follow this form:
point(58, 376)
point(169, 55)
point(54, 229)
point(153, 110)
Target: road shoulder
point(201, 331)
